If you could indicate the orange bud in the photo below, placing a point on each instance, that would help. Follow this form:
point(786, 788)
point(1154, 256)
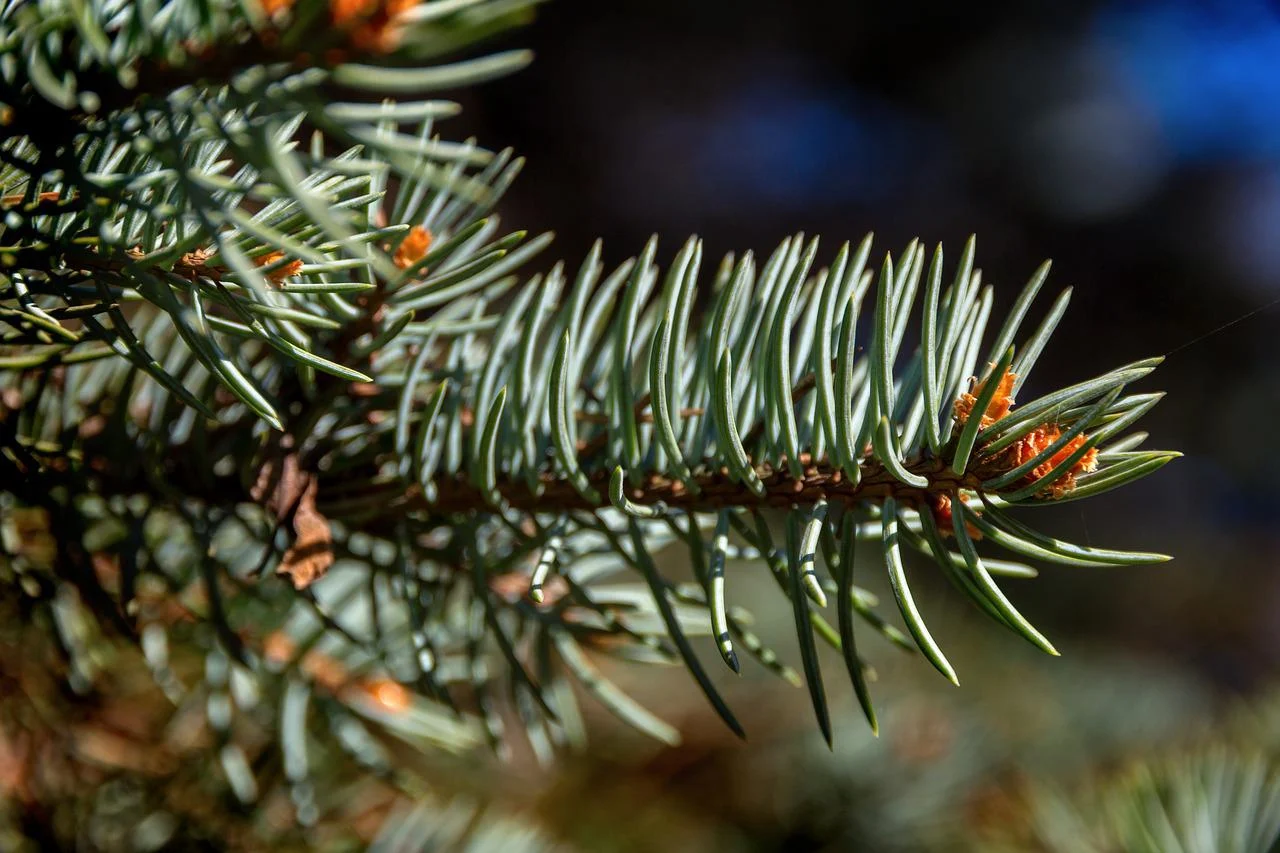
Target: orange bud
point(1035, 442)
point(413, 248)
point(388, 695)
point(943, 517)
point(372, 24)
point(282, 272)
point(347, 11)
point(999, 406)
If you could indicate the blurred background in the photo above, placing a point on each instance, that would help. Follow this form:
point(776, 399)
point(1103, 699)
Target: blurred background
point(1137, 144)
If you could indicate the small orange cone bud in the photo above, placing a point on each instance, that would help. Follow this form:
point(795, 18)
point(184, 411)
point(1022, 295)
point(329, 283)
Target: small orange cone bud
point(999, 406)
point(413, 248)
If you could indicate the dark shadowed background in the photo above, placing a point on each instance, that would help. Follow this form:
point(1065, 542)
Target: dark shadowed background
point(1135, 144)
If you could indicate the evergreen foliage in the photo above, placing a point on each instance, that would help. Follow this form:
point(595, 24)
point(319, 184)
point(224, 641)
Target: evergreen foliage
point(258, 320)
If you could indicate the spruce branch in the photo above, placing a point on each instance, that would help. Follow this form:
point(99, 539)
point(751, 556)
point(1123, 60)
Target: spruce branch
point(288, 334)
point(461, 427)
point(183, 180)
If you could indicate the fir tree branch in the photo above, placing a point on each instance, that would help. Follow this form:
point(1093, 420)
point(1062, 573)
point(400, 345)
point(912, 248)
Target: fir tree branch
point(318, 356)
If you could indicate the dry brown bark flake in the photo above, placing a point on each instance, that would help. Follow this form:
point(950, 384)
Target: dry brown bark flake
point(289, 493)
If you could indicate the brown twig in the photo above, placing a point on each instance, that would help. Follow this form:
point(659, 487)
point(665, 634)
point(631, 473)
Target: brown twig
point(716, 490)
